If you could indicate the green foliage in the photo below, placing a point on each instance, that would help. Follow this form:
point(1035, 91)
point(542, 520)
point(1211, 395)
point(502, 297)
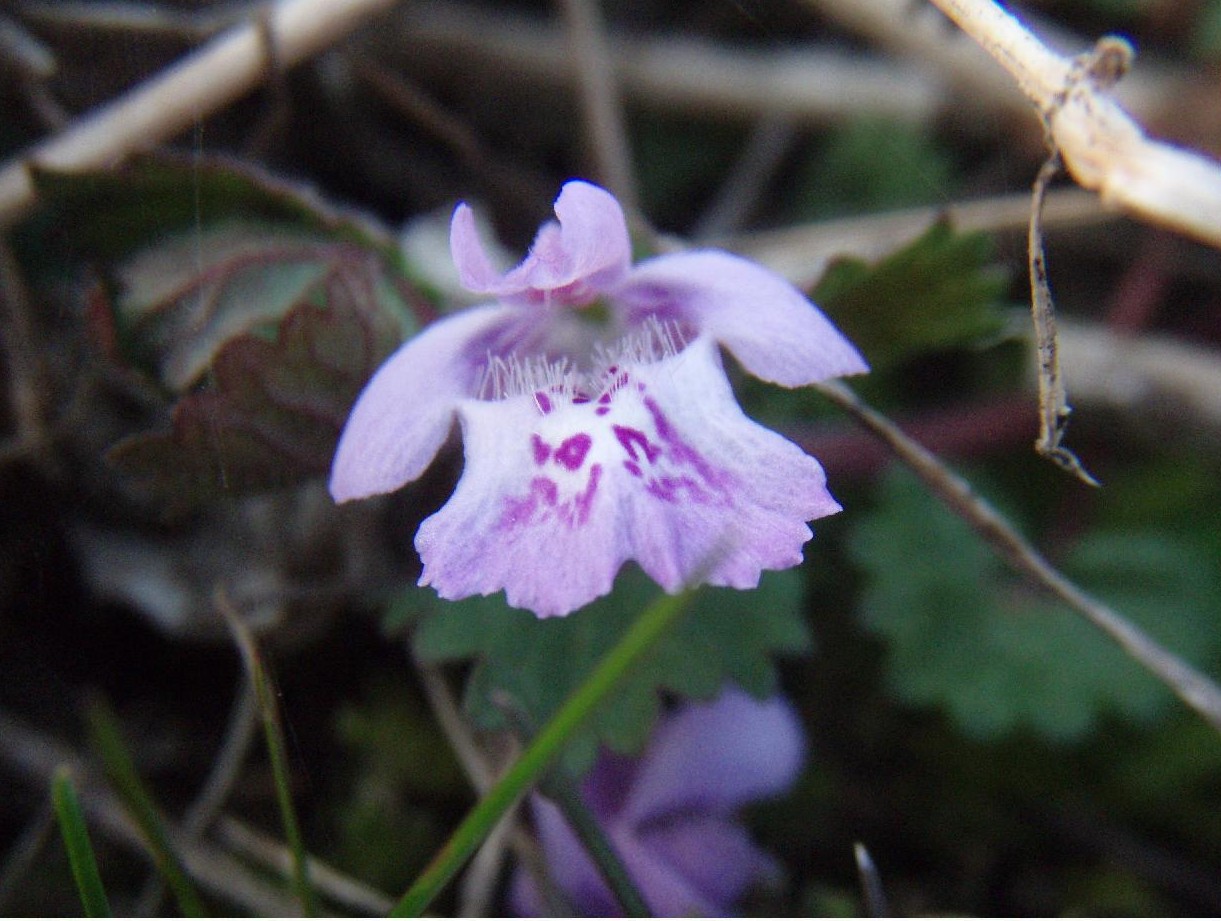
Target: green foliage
point(271, 408)
point(937, 292)
point(595, 690)
point(964, 634)
point(258, 312)
point(872, 164)
point(727, 636)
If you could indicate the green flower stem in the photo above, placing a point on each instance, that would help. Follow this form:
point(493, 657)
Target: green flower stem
point(538, 756)
point(563, 789)
point(80, 850)
point(560, 787)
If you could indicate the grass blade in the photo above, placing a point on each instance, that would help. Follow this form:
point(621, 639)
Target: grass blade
point(273, 731)
point(108, 742)
point(538, 756)
point(80, 850)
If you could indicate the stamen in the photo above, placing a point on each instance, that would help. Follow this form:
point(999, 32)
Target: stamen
point(549, 382)
point(652, 341)
point(513, 376)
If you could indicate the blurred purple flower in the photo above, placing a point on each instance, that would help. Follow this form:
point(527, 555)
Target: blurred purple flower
point(597, 421)
point(670, 813)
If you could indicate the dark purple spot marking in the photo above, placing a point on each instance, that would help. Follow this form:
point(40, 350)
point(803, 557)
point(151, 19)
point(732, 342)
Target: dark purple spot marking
point(631, 439)
point(545, 489)
point(571, 452)
point(580, 399)
point(542, 450)
point(632, 467)
point(605, 398)
point(585, 498)
point(602, 410)
point(542, 401)
point(520, 510)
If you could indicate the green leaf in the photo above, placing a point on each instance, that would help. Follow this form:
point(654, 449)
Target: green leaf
point(270, 411)
point(258, 311)
point(938, 292)
point(80, 850)
point(964, 634)
point(728, 636)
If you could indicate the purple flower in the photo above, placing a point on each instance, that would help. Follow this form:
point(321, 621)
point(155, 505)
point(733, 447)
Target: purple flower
point(669, 814)
point(597, 421)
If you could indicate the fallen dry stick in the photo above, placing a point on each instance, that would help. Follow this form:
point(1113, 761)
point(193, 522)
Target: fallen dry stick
point(1102, 147)
point(210, 78)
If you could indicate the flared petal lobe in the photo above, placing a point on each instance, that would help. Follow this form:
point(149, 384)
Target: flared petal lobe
point(659, 466)
point(769, 326)
point(687, 855)
point(405, 412)
point(718, 756)
point(571, 261)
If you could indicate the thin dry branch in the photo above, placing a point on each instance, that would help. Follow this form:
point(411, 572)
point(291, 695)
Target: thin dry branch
point(1102, 146)
point(171, 102)
point(600, 100)
point(1053, 400)
point(801, 253)
point(921, 35)
point(36, 756)
point(263, 849)
point(482, 775)
point(1165, 379)
point(1192, 687)
point(810, 85)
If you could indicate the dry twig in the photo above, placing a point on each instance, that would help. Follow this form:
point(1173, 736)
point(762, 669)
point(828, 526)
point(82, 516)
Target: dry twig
point(801, 253)
point(1103, 148)
point(177, 98)
point(599, 93)
point(1053, 401)
point(36, 756)
point(810, 85)
point(1192, 687)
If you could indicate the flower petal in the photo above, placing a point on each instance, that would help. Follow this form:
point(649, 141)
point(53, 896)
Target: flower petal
point(663, 887)
point(405, 412)
point(662, 468)
point(713, 856)
point(569, 262)
point(521, 519)
point(716, 757)
point(568, 866)
point(766, 323)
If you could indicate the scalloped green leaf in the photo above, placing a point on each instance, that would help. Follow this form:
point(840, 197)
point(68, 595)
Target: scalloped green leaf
point(727, 635)
point(183, 301)
point(258, 309)
point(270, 407)
point(940, 291)
point(966, 635)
